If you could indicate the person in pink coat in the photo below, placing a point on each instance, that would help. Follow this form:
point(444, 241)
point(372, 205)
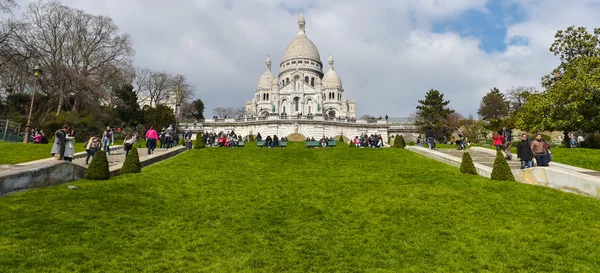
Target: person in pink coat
point(151, 138)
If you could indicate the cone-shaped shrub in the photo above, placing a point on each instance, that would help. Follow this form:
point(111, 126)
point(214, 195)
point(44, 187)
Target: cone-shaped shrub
point(351, 144)
point(341, 139)
point(251, 138)
point(199, 143)
point(98, 169)
point(132, 163)
point(467, 166)
point(399, 141)
point(501, 170)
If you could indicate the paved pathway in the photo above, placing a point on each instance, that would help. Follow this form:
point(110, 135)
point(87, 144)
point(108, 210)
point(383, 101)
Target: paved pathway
point(116, 158)
point(484, 157)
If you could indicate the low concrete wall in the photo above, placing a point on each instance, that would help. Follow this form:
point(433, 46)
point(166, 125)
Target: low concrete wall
point(567, 179)
point(49, 172)
point(38, 176)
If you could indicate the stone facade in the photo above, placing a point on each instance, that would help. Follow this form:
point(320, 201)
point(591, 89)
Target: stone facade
point(301, 86)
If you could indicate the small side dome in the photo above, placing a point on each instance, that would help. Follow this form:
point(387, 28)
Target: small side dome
point(331, 80)
point(266, 80)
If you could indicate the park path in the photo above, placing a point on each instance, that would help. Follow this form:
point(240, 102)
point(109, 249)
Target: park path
point(486, 157)
point(117, 157)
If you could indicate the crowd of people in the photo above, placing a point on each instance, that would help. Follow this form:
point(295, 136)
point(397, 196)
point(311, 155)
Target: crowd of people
point(368, 141)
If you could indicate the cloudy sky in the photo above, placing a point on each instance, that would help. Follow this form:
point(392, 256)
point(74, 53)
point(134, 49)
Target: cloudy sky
point(388, 53)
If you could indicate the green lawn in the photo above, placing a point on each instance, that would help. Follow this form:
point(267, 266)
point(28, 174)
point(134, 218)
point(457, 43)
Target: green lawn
point(299, 210)
point(13, 153)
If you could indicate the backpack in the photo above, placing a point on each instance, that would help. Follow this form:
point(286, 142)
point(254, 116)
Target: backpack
point(96, 145)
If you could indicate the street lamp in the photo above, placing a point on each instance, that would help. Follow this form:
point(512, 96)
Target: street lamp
point(37, 73)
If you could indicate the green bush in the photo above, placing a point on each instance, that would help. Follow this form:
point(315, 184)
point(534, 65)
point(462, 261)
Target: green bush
point(341, 139)
point(547, 138)
point(411, 143)
point(466, 165)
point(132, 162)
point(351, 144)
point(501, 170)
point(592, 142)
point(98, 169)
point(399, 141)
point(199, 142)
point(251, 138)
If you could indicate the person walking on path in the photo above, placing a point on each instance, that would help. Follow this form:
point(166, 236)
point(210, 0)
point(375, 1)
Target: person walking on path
point(60, 139)
point(108, 138)
point(524, 153)
point(540, 151)
point(169, 136)
point(151, 138)
point(507, 134)
point(91, 146)
point(498, 141)
point(430, 138)
point(70, 146)
point(128, 143)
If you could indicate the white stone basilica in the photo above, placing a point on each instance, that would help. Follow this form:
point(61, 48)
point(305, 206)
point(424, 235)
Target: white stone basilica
point(301, 87)
point(301, 102)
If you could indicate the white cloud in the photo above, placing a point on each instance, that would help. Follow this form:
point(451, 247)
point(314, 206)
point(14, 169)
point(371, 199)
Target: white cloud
point(385, 53)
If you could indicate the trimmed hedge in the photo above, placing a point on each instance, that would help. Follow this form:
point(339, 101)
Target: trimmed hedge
point(399, 141)
point(199, 142)
point(251, 138)
point(98, 169)
point(132, 163)
point(466, 165)
point(341, 139)
point(501, 170)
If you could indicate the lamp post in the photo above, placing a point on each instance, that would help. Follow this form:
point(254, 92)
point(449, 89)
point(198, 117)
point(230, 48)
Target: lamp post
point(37, 73)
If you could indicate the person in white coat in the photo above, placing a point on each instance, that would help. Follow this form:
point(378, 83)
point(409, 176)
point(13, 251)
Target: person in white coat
point(70, 146)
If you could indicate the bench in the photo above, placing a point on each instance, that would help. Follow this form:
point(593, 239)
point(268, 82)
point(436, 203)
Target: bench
point(282, 144)
point(313, 144)
point(240, 144)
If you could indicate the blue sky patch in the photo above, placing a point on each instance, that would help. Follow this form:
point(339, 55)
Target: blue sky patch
point(488, 26)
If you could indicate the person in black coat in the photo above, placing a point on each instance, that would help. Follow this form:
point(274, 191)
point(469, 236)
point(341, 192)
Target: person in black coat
point(524, 153)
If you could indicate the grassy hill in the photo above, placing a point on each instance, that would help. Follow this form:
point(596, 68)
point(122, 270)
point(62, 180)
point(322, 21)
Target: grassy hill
point(299, 210)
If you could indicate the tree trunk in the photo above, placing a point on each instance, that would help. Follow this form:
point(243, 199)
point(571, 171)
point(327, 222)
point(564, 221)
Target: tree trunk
point(60, 103)
point(567, 139)
point(75, 105)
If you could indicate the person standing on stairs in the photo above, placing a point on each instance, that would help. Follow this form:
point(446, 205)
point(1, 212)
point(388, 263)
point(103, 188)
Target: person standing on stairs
point(524, 153)
point(108, 138)
point(507, 134)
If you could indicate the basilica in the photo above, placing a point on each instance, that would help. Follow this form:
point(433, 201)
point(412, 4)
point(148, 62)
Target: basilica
point(301, 88)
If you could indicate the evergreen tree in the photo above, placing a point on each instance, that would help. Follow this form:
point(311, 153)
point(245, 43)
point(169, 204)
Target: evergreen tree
point(198, 109)
point(132, 163)
point(128, 108)
point(98, 169)
point(493, 106)
point(161, 116)
point(199, 143)
point(433, 112)
point(399, 141)
point(501, 169)
point(466, 165)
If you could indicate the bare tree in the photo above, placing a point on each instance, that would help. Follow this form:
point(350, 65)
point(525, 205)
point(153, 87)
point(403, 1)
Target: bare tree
point(224, 112)
point(78, 52)
point(181, 90)
point(158, 87)
point(517, 96)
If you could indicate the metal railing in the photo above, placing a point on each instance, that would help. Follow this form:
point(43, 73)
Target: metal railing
point(10, 131)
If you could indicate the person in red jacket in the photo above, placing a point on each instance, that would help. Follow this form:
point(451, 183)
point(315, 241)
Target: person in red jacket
point(498, 141)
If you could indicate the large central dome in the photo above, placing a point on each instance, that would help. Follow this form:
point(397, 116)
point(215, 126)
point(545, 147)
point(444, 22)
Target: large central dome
point(301, 46)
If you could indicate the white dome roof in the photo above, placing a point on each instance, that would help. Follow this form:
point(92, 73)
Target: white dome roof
point(301, 46)
point(331, 80)
point(266, 80)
